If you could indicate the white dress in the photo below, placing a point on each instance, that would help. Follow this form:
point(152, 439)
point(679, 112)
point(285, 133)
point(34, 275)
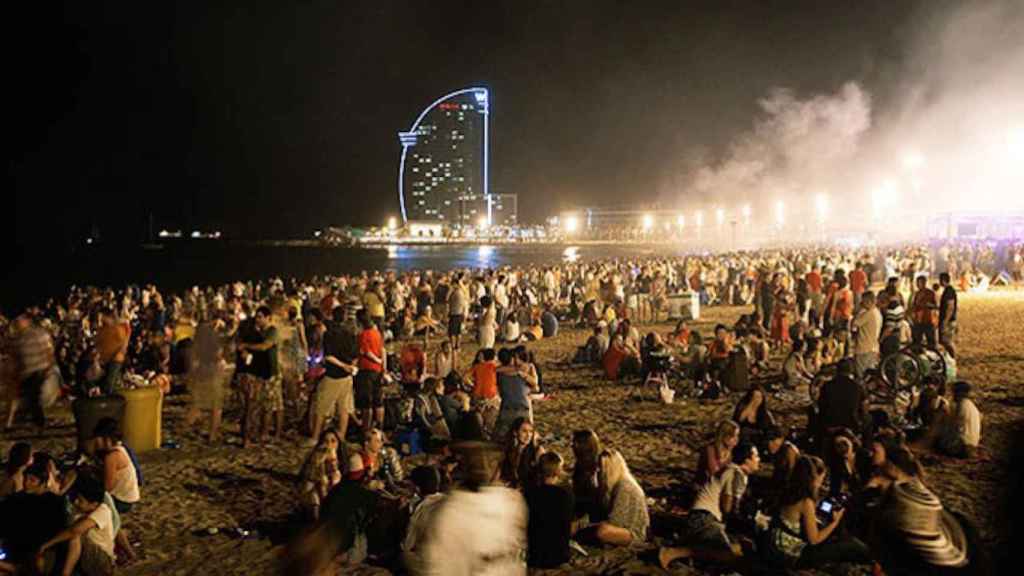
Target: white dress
point(487, 327)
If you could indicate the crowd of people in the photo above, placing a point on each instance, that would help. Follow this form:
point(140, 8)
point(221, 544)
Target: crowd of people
point(345, 358)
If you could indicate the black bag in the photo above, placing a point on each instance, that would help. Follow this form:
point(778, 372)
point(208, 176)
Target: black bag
point(735, 375)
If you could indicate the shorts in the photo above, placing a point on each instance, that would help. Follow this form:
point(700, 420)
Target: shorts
point(368, 390)
point(122, 507)
point(94, 561)
point(273, 395)
point(252, 391)
point(948, 331)
point(333, 396)
point(864, 362)
point(702, 530)
point(455, 325)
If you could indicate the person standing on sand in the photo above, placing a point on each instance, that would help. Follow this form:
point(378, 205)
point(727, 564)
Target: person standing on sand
point(458, 310)
point(369, 380)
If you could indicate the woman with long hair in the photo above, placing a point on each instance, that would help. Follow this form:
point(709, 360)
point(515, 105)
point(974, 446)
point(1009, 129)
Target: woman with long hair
point(586, 448)
point(208, 376)
point(795, 539)
point(522, 451)
point(319, 473)
point(624, 500)
point(719, 452)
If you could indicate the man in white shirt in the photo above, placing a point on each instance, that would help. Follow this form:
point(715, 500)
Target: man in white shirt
point(91, 537)
point(962, 433)
point(704, 534)
point(867, 327)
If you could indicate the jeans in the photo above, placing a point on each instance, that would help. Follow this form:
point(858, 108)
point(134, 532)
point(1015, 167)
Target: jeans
point(831, 551)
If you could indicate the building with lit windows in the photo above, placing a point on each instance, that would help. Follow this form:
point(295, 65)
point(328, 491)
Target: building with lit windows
point(501, 208)
point(445, 158)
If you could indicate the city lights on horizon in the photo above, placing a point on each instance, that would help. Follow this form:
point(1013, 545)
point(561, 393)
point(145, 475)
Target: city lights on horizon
point(572, 224)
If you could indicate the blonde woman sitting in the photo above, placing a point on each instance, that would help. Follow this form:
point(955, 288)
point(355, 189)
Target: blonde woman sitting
point(625, 502)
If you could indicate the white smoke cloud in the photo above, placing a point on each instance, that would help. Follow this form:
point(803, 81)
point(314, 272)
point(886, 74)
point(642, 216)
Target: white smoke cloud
point(949, 137)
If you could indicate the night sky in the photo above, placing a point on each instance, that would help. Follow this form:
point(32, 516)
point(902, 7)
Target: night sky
point(270, 119)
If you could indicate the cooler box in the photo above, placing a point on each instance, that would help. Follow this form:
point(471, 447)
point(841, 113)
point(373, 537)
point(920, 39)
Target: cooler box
point(684, 306)
point(142, 418)
point(89, 411)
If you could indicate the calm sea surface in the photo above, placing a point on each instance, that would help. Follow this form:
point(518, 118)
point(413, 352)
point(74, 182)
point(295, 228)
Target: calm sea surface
point(179, 266)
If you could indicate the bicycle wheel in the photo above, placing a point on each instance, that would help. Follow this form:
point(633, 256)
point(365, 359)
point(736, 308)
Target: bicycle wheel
point(901, 370)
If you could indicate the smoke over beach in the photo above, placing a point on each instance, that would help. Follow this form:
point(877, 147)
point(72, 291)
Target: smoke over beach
point(947, 136)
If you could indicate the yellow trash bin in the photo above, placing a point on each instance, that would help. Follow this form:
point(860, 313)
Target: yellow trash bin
point(142, 418)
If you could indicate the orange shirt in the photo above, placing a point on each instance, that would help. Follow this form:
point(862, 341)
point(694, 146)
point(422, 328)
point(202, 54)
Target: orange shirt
point(485, 380)
point(842, 304)
point(370, 341)
point(813, 282)
point(112, 342)
point(858, 281)
point(924, 309)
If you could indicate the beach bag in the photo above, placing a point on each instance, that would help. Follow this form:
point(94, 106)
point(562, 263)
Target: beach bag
point(667, 393)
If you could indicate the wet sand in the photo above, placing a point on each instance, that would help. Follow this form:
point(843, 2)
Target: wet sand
point(195, 487)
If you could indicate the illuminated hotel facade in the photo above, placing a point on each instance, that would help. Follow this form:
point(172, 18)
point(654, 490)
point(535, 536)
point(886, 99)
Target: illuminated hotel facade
point(445, 159)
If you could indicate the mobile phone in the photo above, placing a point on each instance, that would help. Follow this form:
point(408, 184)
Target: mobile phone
point(3, 553)
point(825, 506)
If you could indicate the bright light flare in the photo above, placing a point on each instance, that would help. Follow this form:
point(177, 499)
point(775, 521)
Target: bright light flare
point(913, 161)
point(821, 206)
point(482, 223)
point(648, 221)
point(720, 217)
point(681, 221)
point(572, 224)
point(699, 218)
point(392, 223)
point(780, 213)
point(1015, 144)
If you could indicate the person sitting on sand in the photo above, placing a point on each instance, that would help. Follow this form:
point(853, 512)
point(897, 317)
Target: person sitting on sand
point(427, 414)
point(320, 472)
point(586, 489)
point(752, 413)
point(522, 451)
point(913, 533)
point(340, 535)
point(380, 463)
point(620, 360)
point(795, 367)
point(18, 459)
point(422, 512)
point(551, 509)
point(704, 534)
point(426, 325)
point(90, 537)
point(30, 518)
point(795, 539)
point(444, 360)
point(120, 478)
point(624, 503)
point(784, 455)
point(718, 453)
point(961, 429)
point(510, 329)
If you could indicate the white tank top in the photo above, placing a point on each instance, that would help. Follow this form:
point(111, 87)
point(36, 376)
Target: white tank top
point(126, 481)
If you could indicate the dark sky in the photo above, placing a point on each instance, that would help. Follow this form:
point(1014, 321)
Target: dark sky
point(269, 119)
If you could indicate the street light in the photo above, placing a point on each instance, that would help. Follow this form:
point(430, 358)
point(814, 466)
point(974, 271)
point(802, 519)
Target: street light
point(572, 224)
point(720, 217)
point(392, 223)
point(780, 213)
point(482, 223)
point(648, 222)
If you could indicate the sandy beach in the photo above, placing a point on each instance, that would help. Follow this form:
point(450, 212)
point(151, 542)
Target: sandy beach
point(195, 487)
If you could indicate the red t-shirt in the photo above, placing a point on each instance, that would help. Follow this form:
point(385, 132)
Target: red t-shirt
point(612, 361)
point(842, 305)
point(858, 281)
point(370, 341)
point(485, 380)
point(814, 282)
point(413, 362)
